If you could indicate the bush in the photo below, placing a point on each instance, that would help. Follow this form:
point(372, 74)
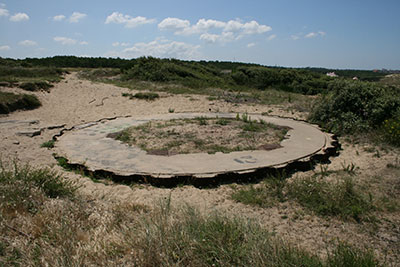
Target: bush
point(10, 102)
point(391, 131)
point(354, 106)
point(36, 86)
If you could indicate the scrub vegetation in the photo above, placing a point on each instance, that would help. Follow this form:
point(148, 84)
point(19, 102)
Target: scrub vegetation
point(46, 220)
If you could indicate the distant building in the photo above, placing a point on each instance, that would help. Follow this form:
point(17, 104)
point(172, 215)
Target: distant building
point(332, 74)
point(226, 71)
point(355, 78)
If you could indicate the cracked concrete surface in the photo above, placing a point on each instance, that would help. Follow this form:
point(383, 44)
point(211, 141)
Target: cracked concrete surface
point(88, 145)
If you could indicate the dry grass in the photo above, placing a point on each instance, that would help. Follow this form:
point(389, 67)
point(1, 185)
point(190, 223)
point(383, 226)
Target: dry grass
point(71, 230)
point(202, 134)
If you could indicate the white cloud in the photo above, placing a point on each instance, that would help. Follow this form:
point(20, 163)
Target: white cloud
point(210, 38)
point(251, 45)
point(115, 44)
point(173, 24)
point(76, 17)
point(65, 40)
point(128, 21)
point(213, 31)
point(4, 12)
point(221, 38)
point(253, 27)
point(163, 48)
point(59, 18)
point(311, 35)
point(27, 43)
point(295, 37)
point(19, 17)
point(68, 41)
point(271, 37)
point(4, 48)
point(315, 34)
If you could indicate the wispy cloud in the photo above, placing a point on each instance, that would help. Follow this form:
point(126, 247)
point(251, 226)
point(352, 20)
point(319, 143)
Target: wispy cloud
point(4, 48)
point(59, 18)
point(128, 21)
point(4, 12)
point(271, 37)
point(250, 45)
point(115, 44)
point(295, 37)
point(162, 48)
point(68, 41)
point(315, 34)
point(213, 31)
point(27, 43)
point(19, 17)
point(76, 17)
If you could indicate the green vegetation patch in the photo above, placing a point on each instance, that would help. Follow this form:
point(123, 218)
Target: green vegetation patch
point(10, 102)
point(354, 106)
point(36, 86)
point(48, 144)
point(19, 73)
point(23, 188)
point(149, 96)
point(203, 134)
point(339, 197)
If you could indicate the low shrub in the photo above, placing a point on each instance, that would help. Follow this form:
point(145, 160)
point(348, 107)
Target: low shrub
point(354, 106)
point(10, 102)
point(391, 131)
point(49, 144)
point(36, 86)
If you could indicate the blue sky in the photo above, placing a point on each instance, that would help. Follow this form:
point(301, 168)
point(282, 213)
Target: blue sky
point(362, 34)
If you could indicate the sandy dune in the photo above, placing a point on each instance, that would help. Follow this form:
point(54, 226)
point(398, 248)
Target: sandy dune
point(74, 101)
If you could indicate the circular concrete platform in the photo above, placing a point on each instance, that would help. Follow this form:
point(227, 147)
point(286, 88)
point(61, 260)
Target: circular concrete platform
point(88, 145)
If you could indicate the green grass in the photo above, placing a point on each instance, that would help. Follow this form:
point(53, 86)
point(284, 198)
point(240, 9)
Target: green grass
point(29, 74)
point(341, 198)
point(23, 188)
point(49, 144)
point(202, 134)
point(10, 102)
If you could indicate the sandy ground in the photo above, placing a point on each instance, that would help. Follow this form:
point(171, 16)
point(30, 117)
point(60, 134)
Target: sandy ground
point(74, 101)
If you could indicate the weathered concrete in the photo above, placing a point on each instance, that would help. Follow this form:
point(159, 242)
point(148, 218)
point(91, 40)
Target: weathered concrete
point(89, 145)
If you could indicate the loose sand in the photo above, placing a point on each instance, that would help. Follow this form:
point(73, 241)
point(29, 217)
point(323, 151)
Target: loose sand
point(74, 101)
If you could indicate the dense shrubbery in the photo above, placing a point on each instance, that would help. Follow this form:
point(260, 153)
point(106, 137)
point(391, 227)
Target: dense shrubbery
point(10, 102)
point(353, 106)
point(36, 86)
point(190, 74)
point(299, 81)
point(391, 130)
point(200, 74)
point(12, 73)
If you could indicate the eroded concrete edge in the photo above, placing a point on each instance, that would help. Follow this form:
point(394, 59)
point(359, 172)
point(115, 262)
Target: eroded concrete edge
point(304, 163)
